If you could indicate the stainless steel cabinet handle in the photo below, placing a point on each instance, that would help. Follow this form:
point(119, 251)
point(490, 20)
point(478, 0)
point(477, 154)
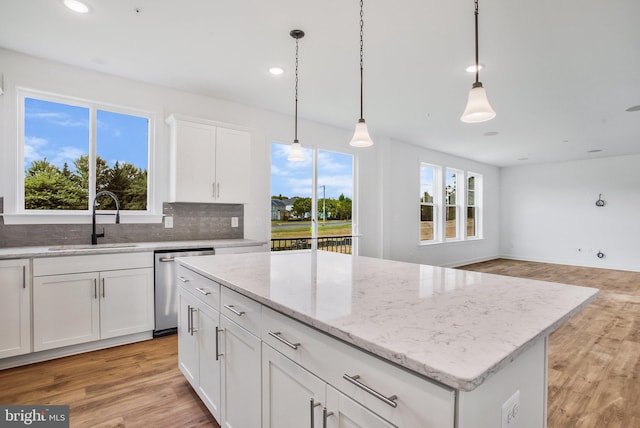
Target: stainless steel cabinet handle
point(325, 416)
point(24, 277)
point(218, 195)
point(188, 319)
point(386, 400)
point(166, 259)
point(103, 287)
point(183, 279)
point(234, 310)
point(276, 334)
point(218, 354)
point(312, 407)
point(203, 291)
point(95, 288)
point(213, 190)
point(191, 311)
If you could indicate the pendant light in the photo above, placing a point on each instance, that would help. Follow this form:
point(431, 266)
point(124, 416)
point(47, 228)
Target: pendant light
point(361, 136)
point(478, 107)
point(296, 149)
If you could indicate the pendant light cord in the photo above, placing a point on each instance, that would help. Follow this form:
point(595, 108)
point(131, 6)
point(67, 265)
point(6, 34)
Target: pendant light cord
point(361, 56)
point(296, 114)
point(477, 60)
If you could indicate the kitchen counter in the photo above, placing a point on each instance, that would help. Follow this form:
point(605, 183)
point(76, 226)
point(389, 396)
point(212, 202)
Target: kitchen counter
point(70, 250)
point(453, 326)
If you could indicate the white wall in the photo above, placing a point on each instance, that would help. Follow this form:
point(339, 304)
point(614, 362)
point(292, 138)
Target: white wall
point(402, 209)
point(549, 214)
point(387, 173)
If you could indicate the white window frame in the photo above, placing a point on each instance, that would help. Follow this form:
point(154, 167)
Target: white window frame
point(15, 212)
point(440, 206)
point(477, 198)
point(436, 204)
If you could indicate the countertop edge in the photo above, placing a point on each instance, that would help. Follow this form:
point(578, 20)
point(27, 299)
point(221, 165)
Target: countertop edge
point(10, 253)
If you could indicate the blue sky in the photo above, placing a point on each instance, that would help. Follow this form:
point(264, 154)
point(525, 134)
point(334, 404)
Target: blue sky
point(60, 133)
point(335, 172)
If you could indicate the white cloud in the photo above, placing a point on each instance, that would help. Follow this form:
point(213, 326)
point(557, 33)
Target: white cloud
point(59, 119)
point(33, 147)
point(66, 154)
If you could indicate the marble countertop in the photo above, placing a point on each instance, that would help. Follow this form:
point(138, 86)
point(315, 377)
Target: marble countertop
point(454, 326)
point(131, 247)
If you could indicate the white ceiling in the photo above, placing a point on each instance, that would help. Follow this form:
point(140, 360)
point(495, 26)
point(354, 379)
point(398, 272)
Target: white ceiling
point(559, 73)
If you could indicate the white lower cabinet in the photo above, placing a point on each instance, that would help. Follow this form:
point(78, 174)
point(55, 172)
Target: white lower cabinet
point(197, 349)
point(240, 376)
point(292, 397)
point(74, 301)
point(15, 308)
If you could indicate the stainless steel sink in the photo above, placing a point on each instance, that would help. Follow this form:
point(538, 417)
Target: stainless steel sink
point(90, 247)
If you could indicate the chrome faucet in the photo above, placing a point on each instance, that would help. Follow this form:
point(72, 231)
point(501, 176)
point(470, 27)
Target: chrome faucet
point(94, 235)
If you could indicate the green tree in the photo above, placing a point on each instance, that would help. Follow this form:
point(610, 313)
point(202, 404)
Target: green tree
point(301, 206)
point(46, 187)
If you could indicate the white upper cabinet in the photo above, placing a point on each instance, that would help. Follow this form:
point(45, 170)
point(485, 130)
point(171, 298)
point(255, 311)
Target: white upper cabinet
point(209, 162)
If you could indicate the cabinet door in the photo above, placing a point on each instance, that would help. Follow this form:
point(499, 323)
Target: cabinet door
point(208, 338)
point(193, 151)
point(233, 166)
point(241, 382)
point(288, 391)
point(187, 341)
point(15, 304)
point(343, 412)
point(126, 302)
point(65, 310)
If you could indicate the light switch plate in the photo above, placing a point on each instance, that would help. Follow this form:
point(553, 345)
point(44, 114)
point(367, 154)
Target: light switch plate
point(234, 221)
point(168, 222)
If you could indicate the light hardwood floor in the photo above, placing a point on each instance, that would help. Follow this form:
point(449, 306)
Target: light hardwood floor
point(594, 366)
point(594, 359)
point(137, 385)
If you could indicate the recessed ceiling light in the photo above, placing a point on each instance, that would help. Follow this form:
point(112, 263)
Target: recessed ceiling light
point(595, 151)
point(472, 68)
point(276, 71)
point(634, 108)
point(76, 6)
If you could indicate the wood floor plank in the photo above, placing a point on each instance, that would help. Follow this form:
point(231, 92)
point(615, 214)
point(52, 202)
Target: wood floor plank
point(131, 386)
point(594, 359)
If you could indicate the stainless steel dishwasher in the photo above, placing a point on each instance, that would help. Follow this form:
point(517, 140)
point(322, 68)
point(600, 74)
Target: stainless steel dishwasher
point(166, 288)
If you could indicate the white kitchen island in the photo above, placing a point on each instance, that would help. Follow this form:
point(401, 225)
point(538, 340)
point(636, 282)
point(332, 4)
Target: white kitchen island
point(376, 342)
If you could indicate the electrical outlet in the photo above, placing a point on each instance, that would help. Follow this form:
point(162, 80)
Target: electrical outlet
point(234, 221)
point(510, 410)
point(168, 222)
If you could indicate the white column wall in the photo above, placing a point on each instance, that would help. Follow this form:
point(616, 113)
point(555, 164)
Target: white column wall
point(549, 214)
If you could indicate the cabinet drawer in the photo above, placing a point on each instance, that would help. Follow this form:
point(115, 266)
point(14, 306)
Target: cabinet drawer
point(203, 288)
point(91, 263)
point(418, 402)
point(241, 310)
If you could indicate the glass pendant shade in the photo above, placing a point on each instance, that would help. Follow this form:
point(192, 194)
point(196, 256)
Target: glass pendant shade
point(295, 154)
point(478, 107)
point(361, 137)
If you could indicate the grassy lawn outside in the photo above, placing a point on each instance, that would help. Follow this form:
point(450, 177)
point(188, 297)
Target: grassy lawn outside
point(302, 229)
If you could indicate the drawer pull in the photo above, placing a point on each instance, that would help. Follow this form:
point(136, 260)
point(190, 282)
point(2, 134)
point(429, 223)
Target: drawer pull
point(387, 400)
point(203, 291)
point(283, 340)
point(325, 416)
point(218, 354)
point(312, 407)
point(166, 259)
point(235, 311)
point(183, 279)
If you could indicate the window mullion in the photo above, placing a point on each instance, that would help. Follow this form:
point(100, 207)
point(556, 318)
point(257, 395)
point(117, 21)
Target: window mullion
point(93, 132)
